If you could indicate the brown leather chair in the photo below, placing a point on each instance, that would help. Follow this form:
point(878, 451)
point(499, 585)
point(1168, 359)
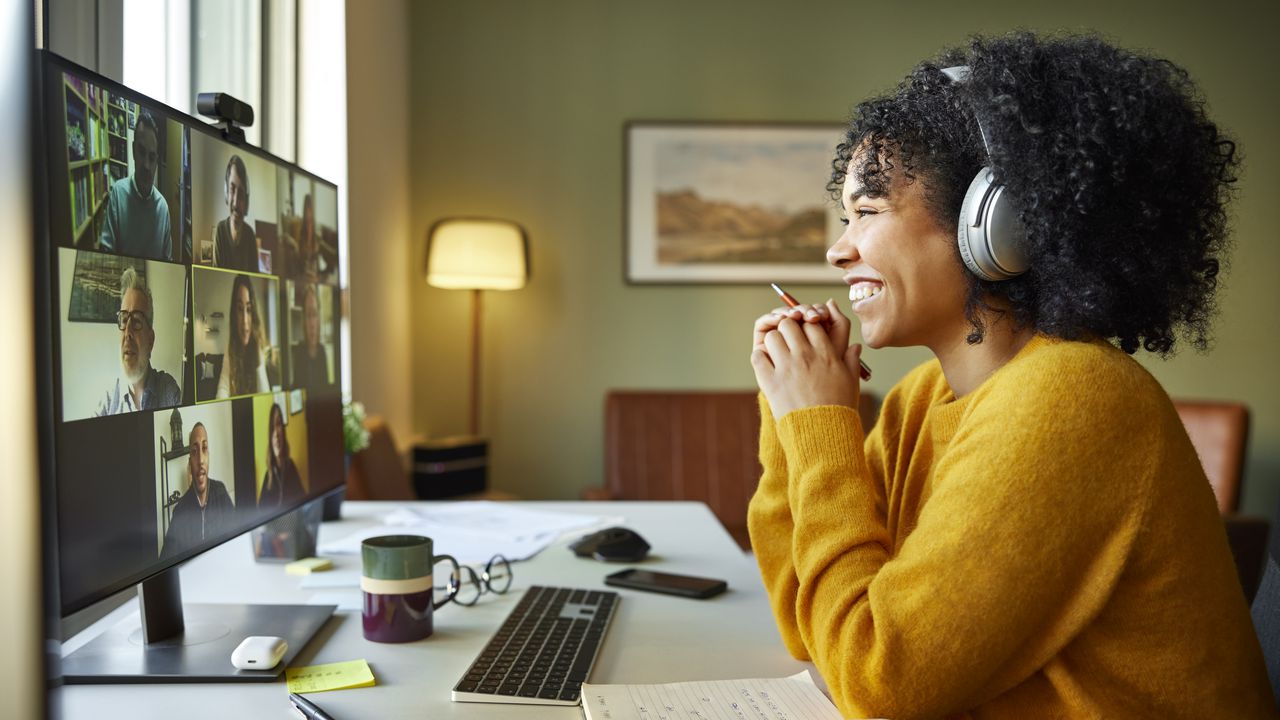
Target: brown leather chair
point(1219, 431)
point(378, 471)
point(683, 445)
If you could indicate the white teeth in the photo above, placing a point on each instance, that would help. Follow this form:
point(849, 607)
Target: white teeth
point(863, 292)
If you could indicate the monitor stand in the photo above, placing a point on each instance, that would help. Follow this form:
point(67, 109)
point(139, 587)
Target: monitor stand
point(174, 643)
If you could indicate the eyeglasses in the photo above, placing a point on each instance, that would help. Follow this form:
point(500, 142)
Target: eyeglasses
point(495, 578)
point(136, 320)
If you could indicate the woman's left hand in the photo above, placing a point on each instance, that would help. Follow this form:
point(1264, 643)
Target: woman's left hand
point(804, 365)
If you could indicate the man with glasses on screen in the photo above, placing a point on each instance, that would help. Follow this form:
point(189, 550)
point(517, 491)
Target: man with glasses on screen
point(137, 214)
point(204, 511)
point(140, 386)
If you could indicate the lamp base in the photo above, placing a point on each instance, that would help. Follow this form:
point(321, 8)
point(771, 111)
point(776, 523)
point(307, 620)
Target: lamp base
point(449, 467)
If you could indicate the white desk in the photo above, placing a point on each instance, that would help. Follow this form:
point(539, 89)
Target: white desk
point(653, 638)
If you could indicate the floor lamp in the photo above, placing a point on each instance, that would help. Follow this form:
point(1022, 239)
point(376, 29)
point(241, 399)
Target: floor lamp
point(477, 254)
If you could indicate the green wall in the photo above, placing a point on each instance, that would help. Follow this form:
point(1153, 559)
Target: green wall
point(517, 109)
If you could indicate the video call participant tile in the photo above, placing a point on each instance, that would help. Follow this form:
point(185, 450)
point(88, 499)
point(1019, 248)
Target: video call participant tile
point(312, 329)
point(280, 449)
point(308, 228)
point(236, 326)
point(195, 481)
point(123, 165)
point(233, 209)
point(121, 333)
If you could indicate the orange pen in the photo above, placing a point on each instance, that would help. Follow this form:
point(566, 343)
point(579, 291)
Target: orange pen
point(863, 371)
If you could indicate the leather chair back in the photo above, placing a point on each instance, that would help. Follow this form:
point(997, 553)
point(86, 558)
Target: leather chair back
point(682, 445)
point(1219, 431)
point(378, 471)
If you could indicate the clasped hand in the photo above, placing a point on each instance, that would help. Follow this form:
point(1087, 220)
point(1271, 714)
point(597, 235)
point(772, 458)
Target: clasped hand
point(802, 358)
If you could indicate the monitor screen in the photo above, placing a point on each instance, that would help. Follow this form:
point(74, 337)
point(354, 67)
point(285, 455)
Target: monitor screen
point(194, 308)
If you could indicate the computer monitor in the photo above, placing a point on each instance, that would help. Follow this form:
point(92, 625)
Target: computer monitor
point(192, 383)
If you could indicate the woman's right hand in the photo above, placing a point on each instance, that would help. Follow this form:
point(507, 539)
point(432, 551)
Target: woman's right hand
point(802, 358)
point(824, 315)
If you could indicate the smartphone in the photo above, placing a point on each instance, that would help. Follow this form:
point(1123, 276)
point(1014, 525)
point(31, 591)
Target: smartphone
point(669, 583)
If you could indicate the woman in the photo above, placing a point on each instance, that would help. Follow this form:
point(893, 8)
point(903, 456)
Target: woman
point(308, 243)
point(1026, 531)
point(281, 483)
point(244, 367)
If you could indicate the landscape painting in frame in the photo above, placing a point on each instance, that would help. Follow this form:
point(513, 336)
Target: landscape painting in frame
point(730, 203)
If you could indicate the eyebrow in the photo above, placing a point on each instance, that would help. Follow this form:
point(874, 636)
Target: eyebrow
point(868, 194)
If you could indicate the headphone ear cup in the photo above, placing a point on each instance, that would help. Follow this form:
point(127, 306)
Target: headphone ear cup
point(988, 233)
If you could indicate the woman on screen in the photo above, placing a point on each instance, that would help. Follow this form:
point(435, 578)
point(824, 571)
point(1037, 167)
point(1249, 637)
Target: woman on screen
point(1026, 531)
point(244, 367)
point(308, 243)
point(281, 483)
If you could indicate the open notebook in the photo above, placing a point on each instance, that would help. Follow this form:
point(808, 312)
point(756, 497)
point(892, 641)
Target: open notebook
point(759, 699)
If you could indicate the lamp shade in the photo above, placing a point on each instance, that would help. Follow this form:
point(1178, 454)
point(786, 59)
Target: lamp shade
point(476, 254)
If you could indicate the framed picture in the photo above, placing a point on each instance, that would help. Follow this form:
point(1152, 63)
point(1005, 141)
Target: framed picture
point(730, 202)
point(95, 286)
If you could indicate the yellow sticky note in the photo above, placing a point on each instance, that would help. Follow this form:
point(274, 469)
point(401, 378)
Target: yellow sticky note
point(306, 566)
point(334, 676)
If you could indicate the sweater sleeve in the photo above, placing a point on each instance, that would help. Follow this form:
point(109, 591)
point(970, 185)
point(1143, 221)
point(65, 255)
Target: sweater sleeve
point(1018, 547)
point(770, 525)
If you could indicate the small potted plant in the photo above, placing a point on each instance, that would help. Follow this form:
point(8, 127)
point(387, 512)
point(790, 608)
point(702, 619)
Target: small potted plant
point(354, 435)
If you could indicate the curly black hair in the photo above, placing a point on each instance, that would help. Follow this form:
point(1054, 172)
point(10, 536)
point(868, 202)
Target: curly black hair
point(1117, 173)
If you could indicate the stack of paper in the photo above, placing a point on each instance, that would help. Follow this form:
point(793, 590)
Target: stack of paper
point(473, 532)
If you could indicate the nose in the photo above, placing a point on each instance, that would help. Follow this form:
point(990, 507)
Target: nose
point(845, 251)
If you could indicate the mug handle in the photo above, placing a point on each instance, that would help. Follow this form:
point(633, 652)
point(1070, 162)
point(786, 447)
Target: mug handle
point(454, 587)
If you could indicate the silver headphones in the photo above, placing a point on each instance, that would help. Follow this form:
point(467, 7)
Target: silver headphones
point(989, 233)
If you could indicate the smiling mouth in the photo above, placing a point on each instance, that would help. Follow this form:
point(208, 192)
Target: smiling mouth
point(863, 291)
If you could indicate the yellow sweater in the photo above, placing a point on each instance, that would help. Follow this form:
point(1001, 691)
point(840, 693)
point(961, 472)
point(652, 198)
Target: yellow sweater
point(1046, 546)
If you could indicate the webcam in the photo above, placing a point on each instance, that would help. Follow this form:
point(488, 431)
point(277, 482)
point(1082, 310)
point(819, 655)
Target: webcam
point(232, 115)
point(221, 106)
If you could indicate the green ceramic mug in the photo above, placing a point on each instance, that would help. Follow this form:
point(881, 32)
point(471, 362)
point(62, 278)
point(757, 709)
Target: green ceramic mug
point(397, 582)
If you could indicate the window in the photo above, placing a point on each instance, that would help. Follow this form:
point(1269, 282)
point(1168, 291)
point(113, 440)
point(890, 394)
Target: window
point(174, 49)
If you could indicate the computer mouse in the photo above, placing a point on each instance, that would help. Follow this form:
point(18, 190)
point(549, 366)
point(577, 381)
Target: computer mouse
point(615, 544)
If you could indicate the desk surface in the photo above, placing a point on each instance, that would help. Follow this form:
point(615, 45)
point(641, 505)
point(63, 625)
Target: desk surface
point(653, 638)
